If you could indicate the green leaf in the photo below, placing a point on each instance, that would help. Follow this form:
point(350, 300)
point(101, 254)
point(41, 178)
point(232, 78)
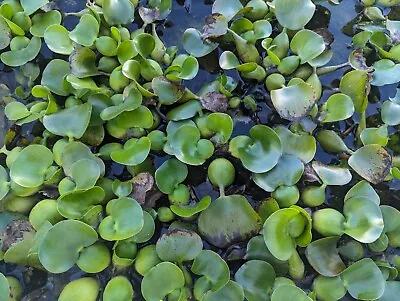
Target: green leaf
point(167, 91)
point(364, 280)
point(4, 185)
point(16, 110)
point(83, 289)
point(294, 102)
point(57, 39)
point(83, 62)
point(5, 34)
point(41, 21)
point(125, 219)
point(216, 25)
point(15, 58)
point(54, 75)
point(76, 203)
point(189, 148)
point(70, 122)
point(386, 72)
point(331, 174)
point(62, 244)
point(375, 136)
point(194, 44)
point(228, 60)
point(257, 279)
point(170, 174)
point(147, 232)
point(30, 166)
point(135, 151)
point(276, 233)
point(118, 288)
point(287, 172)
point(30, 6)
point(261, 152)
point(192, 208)
point(118, 12)
point(231, 291)
point(179, 245)
point(185, 111)
point(162, 280)
point(85, 173)
point(94, 259)
point(227, 220)
point(337, 107)
point(307, 45)
point(392, 291)
point(303, 146)
point(210, 265)
point(289, 292)
point(329, 288)
point(228, 8)
point(372, 162)
point(357, 92)
point(323, 256)
point(86, 31)
point(364, 189)
point(364, 221)
point(294, 14)
point(4, 286)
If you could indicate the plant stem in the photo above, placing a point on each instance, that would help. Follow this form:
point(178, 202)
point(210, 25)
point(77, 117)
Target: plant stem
point(221, 190)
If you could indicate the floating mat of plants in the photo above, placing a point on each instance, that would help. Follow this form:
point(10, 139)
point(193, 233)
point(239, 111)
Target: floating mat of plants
point(119, 177)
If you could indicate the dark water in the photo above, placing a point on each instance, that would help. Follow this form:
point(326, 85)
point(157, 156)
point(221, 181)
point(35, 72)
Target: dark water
point(191, 13)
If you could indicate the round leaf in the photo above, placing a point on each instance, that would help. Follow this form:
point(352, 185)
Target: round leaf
point(287, 172)
point(30, 166)
point(15, 58)
point(372, 162)
point(179, 245)
point(364, 280)
point(337, 107)
point(57, 39)
point(323, 256)
point(170, 174)
point(135, 151)
point(257, 279)
point(41, 21)
point(162, 280)
point(332, 175)
point(231, 291)
point(70, 122)
point(54, 75)
point(294, 14)
point(294, 102)
point(210, 265)
point(86, 31)
point(118, 288)
point(227, 220)
point(62, 244)
point(261, 152)
point(125, 220)
point(307, 45)
point(194, 44)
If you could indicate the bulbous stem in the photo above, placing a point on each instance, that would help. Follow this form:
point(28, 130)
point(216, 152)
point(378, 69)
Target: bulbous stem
point(296, 266)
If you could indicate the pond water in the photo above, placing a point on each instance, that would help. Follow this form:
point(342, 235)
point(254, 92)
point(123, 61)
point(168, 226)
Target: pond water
point(191, 13)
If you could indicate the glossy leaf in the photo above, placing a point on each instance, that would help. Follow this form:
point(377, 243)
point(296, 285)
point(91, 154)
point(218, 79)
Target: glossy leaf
point(170, 174)
point(62, 244)
point(227, 220)
point(261, 152)
point(287, 172)
point(41, 21)
point(70, 122)
point(210, 265)
point(194, 44)
point(135, 151)
point(118, 288)
point(294, 14)
point(15, 58)
point(125, 220)
point(257, 279)
point(372, 162)
point(364, 280)
point(294, 102)
point(331, 174)
point(357, 92)
point(31, 6)
point(307, 45)
point(323, 256)
point(162, 280)
point(57, 39)
point(118, 12)
point(30, 166)
point(179, 245)
point(337, 107)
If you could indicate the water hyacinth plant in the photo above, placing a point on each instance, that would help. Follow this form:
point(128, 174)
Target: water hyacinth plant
point(258, 160)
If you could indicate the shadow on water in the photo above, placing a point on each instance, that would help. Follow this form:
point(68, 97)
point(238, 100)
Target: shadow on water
point(191, 13)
